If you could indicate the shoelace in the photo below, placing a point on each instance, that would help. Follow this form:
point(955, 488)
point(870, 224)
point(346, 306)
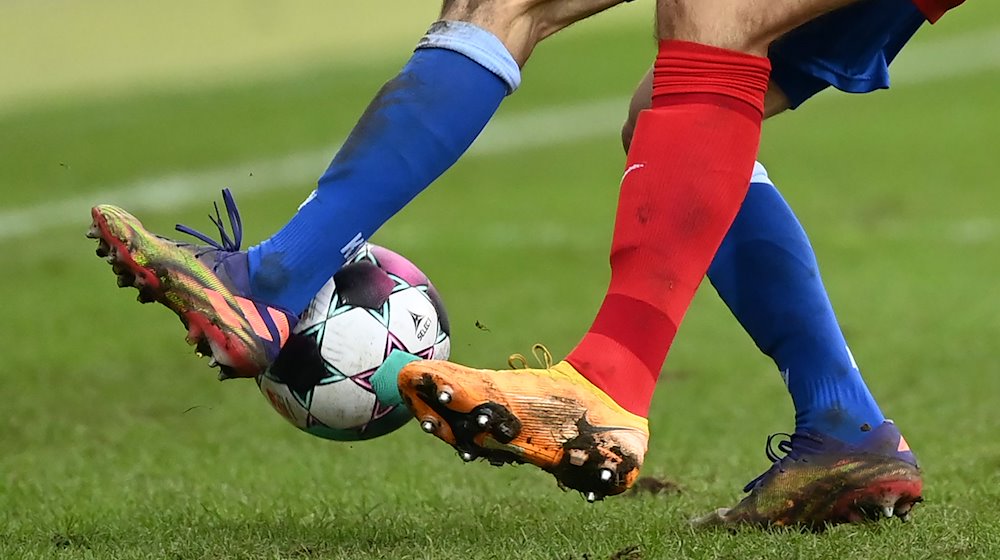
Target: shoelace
point(784, 447)
point(229, 244)
point(792, 448)
point(541, 353)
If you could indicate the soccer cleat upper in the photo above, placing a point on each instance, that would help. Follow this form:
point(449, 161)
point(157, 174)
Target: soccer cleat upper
point(817, 480)
point(207, 286)
point(552, 417)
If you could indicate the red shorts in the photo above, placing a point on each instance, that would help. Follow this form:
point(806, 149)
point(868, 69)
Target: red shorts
point(934, 9)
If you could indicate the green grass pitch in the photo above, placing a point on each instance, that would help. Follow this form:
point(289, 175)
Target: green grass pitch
point(116, 442)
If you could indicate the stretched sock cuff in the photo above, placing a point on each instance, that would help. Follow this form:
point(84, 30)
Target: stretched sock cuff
point(687, 72)
point(479, 45)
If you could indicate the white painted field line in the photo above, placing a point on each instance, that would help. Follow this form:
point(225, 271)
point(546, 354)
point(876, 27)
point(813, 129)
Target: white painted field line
point(922, 63)
point(552, 126)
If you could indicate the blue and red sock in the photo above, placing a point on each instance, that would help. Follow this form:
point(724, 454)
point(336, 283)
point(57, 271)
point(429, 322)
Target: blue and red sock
point(415, 128)
point(766, 272)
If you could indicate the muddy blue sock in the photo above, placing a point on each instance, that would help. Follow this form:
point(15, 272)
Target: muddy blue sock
point(767, 274)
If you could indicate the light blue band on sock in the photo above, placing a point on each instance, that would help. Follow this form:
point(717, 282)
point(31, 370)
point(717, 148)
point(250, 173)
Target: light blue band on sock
point(479, 45)
point(760, 174)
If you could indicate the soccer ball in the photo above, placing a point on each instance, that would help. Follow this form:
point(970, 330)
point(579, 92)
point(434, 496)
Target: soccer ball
point(326, 380)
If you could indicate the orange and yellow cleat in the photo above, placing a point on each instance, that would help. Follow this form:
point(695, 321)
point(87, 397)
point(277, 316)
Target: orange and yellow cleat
point(553, 418)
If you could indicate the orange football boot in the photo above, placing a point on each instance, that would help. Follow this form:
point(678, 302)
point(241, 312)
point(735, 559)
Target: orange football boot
point(553, 418)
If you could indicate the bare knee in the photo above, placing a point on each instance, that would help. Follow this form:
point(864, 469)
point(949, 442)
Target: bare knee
point(728, 24)
point(741, 25)
point(522, 24)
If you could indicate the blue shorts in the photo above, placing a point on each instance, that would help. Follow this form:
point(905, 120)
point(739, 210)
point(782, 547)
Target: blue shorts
point(849, 49)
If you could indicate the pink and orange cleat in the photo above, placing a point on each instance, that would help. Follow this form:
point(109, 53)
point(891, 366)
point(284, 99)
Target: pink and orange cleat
point(207, 286)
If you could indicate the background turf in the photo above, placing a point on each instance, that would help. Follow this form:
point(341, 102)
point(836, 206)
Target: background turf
point(115, 442)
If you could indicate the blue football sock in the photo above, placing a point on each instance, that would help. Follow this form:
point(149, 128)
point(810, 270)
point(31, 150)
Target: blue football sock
point(417, 126)
point(767, 274)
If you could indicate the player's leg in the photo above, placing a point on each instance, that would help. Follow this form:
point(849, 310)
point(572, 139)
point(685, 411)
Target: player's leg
point(707, 102)
point(407, 137)
point(711, 99)
point(687, 173)
point(410, 134)
point(777, 260)
point(766, 272)
point(239, 306)
point(767, 253)
point(843, 462)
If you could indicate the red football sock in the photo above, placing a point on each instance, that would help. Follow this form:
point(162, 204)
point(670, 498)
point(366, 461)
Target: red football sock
point(687, 173)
